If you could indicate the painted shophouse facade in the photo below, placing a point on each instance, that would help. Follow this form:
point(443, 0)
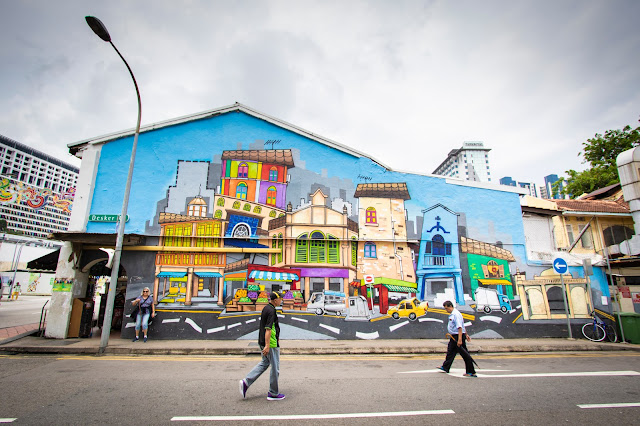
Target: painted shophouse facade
point(230, 204)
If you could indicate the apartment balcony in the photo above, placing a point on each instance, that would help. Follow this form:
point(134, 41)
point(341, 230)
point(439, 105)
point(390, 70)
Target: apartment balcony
point(431, 261)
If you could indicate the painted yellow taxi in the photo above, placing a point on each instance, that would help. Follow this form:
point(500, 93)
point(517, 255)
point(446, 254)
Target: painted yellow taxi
point(409, 308)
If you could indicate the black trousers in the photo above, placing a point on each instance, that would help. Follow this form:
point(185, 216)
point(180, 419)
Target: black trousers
point(452, 351)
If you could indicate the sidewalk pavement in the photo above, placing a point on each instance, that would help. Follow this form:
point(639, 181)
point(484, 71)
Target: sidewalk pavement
point(117, 346)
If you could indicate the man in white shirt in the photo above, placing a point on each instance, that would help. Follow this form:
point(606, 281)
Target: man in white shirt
point(455, 327)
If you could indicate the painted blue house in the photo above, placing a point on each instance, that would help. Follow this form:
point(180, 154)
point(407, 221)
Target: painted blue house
point(439, 258)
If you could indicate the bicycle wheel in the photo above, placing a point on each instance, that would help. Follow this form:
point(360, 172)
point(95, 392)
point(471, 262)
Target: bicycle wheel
point(612, 336)
point(593, 332)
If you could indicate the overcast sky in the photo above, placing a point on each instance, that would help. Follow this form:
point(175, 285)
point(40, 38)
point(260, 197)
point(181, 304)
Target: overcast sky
point(402, 81)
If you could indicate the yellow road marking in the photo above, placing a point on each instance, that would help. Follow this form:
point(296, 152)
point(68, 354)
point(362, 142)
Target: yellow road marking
point(514, 321)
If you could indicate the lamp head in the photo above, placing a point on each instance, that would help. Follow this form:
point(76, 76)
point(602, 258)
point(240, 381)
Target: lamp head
point(98, 27)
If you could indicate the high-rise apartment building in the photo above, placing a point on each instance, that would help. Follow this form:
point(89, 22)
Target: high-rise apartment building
point(549, 180)
point(530, 187)
point(471, 162)
point(36, 189)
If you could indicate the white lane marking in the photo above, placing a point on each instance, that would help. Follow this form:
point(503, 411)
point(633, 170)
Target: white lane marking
point(452, 371)
point(250, 321)
point(497, 320)
point(397, 326)
point(519, 306)
point(8, 420)
point(195, 326)
point(512, 311)
point(130, 324)
point(215, 330)
point(367, 336)
point(431, 319)
point(230, 326)
point(468, 324)
point(332, 329)
point(280, 316)
point(299, 319)
point(164, 321)
point(572, 374)
point(310, 416)
point(612, 405)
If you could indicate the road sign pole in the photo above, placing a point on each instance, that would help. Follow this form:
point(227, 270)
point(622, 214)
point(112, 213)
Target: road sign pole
point(566, 306)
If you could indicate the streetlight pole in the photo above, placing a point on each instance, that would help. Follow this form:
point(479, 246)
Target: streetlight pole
point(101, 31)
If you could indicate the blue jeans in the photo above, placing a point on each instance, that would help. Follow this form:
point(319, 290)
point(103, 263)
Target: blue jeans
point(144, 319)
point(273, 359)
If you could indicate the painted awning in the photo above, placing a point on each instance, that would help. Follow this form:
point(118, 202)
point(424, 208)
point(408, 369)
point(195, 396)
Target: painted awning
point(494, 282)
point(399, 289)
point(171, 274)
point(208, 274)
point(273, 276)
point(397, 283)
point(236, 276)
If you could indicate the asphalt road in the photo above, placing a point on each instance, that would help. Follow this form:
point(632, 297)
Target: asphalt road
point(363, 390)
point(25, 310)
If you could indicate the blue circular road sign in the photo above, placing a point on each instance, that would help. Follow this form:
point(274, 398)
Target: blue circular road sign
point(560, 265)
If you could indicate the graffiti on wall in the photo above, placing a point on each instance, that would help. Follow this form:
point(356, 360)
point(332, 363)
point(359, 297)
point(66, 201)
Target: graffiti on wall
point(357, 251)
point(35, 198)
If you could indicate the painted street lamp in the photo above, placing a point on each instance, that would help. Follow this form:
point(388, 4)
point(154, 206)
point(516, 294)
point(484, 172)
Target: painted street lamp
point(101, 31)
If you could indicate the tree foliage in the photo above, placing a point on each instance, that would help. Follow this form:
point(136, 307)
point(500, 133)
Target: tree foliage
point(600, 152)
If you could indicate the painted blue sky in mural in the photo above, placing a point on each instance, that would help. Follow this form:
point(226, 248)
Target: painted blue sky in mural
point(204, 140)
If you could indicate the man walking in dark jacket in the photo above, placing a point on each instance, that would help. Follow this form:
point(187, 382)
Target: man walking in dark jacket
point(269, 342)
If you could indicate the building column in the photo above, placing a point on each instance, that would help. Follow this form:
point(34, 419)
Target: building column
point(345, 288)
point(326, 283)
point(307, 294)
point(156, 289)
point(220, 291)
point(62, 301)
point(187, 300)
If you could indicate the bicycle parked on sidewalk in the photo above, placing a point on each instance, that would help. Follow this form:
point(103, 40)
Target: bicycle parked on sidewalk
point(598, 330)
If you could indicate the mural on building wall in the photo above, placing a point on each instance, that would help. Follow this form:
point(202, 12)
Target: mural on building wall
point(35, 198)
point(357, 250)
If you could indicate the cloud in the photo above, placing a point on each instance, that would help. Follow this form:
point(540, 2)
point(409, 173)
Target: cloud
point(403, 81)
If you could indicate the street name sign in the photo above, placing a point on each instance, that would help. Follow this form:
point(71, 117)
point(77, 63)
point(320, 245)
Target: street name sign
point(105, 218)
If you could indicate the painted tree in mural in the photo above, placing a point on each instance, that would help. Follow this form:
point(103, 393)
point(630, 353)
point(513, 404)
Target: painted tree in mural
point(600, 152)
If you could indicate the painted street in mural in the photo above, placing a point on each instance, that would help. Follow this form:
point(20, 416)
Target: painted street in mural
point(239, 207)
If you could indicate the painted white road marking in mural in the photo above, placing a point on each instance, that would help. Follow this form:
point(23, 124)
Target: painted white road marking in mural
point(491, 318)
point(468, 324)
point(215, 330)
point(280, 316)
point(164, 321)
point(130, 324)
point(332, 329)
point(195, 326)
point(230, 326)
point(250, 321)
point(454, 371)
point(519, 306)
point(512, 311)
point(367, 336)
point(611, 405)
point(8, 420)
point(299, 319)
point(431, 319)
point(309, 416)
point(397, 326)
